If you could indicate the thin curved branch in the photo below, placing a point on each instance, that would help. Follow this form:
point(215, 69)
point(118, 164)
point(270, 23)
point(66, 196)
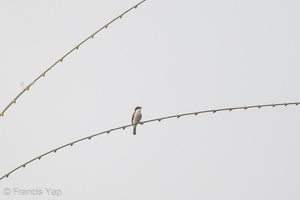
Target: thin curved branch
point(144, 122)
point(63, 57)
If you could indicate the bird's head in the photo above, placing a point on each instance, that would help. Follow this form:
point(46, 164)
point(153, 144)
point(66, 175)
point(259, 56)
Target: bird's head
point(138, 108)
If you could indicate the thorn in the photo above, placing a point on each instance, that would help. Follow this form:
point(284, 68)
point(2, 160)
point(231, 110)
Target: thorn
point(90, 137)
point(71, 144)
point(22, 84)
point(141, 123)
point(34, 82)
point(77, 47)
point(214, 111)
point(159, 120)
point(61, 59)
point(196, 113)
point(259, 106)
point(43, 74)
point(121, 16)
point(106, 26)
point(1, 114)
point(285, 104)
point(27, 88)
point(123, 127)
point(297, 103)
point(136, 6)
point(273, 105)
point(6, 175)
point(230, 109)
point(54, 150)
point(108, 132)
point(245, 108)
point(24, 166)
point(178, 116)
point(92, 36)
point(39, 157)
point(14, 101)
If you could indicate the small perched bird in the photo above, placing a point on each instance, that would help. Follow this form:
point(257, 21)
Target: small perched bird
point(136, 118)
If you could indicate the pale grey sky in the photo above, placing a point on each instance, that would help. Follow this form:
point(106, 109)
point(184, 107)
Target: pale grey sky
point(169, 57)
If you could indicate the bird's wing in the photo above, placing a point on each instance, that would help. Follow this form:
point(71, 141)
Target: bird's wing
point(132, 118)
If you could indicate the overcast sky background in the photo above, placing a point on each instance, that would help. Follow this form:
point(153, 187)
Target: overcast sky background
point(169, 57)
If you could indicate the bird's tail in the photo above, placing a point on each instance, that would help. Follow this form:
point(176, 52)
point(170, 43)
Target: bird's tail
point(134, 130)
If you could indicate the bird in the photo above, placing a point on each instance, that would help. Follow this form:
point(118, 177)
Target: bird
point(136, 118)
